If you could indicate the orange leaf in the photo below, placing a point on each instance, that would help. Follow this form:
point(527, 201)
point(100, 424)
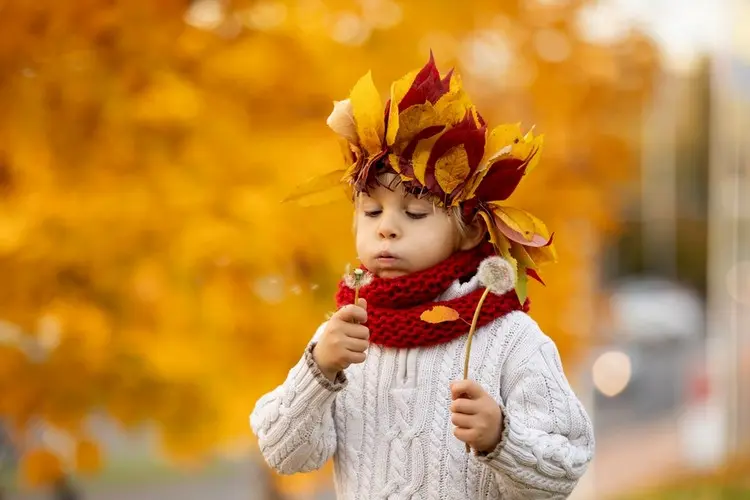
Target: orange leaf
point(439, 314)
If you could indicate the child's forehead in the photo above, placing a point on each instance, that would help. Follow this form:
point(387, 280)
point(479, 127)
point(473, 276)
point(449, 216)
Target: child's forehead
point(391, 192)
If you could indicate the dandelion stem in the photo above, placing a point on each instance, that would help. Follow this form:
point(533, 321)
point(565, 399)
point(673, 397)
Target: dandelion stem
point(471, 336)
point(472, 330)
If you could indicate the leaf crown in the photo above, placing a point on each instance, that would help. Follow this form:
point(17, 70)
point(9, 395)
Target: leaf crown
point(432, 136)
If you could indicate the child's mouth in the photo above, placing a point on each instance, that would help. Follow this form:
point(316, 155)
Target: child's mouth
point(386, 259)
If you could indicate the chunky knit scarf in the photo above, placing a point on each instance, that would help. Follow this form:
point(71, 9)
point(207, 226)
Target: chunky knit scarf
point(394, 305)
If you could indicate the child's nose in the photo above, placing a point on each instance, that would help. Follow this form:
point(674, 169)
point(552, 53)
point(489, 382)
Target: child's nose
point(387, 233)
point(388, 229)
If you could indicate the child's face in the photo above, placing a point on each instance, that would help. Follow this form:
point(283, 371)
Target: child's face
point(398, 234)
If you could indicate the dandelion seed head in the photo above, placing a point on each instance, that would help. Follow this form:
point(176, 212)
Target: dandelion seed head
point(497, 274)
point(357, 278)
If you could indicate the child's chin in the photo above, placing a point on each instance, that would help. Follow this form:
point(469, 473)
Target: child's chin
point(390, 273)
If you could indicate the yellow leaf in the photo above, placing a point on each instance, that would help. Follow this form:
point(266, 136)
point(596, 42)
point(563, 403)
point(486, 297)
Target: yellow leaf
point(368, 114)
point(473, 183)
point(538, 142)
point(502, 136)
point(475, 115)
point(439, 314)
point(398, 91)
point(542, 255)
point(413, 121)
point(522, 284)
point(452, 107)
point(452, 168)
point(393, 160)
point(316, 187)
point(520, 226)
point(422, 155)
point(522, 256)
point(507, 140)
point(491, 228)
point(534, 257)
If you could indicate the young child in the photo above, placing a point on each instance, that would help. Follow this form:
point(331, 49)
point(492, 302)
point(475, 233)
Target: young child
point(380, 387)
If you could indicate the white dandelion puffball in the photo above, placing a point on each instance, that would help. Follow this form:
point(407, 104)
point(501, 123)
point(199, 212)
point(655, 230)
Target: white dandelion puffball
point(357, 279)
point(497, 275)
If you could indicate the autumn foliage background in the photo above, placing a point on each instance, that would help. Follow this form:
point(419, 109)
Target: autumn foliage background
point(148, 271)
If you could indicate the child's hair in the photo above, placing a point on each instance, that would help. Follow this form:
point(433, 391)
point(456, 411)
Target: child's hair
point(455, 213)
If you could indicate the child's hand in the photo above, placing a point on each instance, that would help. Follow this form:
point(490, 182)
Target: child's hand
point(344, 340)
point(477, 417)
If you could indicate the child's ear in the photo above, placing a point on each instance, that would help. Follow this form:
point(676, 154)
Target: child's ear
point(475, 233)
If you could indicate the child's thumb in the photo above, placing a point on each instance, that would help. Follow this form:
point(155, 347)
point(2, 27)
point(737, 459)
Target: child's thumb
point(362, 303)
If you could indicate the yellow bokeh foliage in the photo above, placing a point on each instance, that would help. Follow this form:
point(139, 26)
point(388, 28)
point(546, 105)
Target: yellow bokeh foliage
point(144, 254)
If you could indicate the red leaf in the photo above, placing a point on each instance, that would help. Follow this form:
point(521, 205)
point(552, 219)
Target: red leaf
point(551, 237)
point(426, 133)
point(387, 113)
point(405, 165)
point(501, 179)
point(363, 176)
point(481, 120)
point(427, 86)
point(446, 81)
point(469, 208)
point(535, 275)
point(464, 133)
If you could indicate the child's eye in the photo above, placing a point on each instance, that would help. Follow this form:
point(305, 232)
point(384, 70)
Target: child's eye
point(414, 215)
point(372, 213)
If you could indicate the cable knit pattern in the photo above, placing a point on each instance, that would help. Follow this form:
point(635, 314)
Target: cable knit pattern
point(386, 422)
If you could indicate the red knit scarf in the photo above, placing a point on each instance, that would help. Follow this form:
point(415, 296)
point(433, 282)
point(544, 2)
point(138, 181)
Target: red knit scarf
point(394, 305)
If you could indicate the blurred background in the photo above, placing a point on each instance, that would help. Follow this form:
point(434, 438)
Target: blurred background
point(152, 286)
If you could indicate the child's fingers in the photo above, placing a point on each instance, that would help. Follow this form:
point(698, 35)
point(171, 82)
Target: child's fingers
point(463, 421)
point(465, 406)
point(362, 303)
point(356, 345)
point(466, 389)
point(352, 314)
point(357, 332)
point(466, 435)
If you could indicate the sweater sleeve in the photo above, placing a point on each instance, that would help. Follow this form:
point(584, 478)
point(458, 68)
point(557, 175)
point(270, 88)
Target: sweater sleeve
point(294, 422)
point(548, 439)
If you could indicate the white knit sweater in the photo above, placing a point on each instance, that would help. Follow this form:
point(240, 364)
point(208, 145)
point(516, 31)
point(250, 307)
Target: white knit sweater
point(386, 422)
